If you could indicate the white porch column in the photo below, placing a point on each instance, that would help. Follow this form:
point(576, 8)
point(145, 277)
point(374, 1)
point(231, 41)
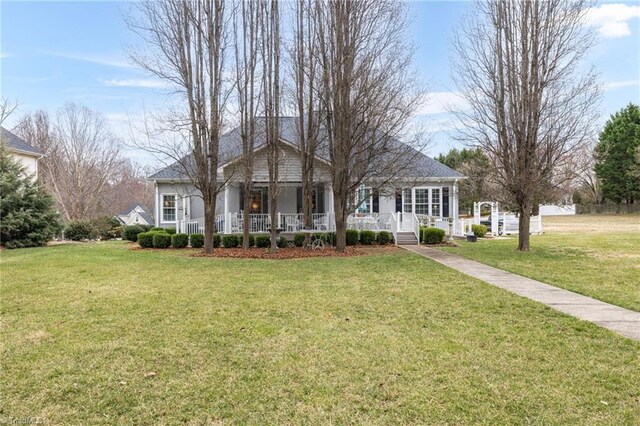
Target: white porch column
point(454, 205)
point(158, 201)
point(227, 217)
point(331, 219)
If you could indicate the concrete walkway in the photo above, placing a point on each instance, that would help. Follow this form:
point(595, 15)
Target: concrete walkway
point(615, 318)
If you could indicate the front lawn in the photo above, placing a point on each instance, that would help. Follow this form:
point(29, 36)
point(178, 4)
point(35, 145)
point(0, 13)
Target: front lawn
point(101, 334)
point(602, 265)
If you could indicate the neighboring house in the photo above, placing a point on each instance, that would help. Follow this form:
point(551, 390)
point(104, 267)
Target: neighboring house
point(27, 155)
point(135, 214)
point(431, 198)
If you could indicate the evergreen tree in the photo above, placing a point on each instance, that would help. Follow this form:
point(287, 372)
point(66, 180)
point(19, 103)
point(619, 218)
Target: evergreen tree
point(27, 217)
point(474, 164)
point(616, 154)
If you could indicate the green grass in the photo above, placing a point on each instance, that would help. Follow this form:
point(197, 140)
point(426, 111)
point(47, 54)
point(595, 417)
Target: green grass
point(603, 266)
point(384, 339)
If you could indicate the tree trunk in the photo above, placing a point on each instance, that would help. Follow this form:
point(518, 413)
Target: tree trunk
point(209, 224)
point(341, 222)
point(524, 221)
point(273, 210)
point(307, 200)
point(246, 209)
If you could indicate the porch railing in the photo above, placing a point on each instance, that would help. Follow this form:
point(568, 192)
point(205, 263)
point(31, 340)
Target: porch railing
point(372, 222)
point(435, 222)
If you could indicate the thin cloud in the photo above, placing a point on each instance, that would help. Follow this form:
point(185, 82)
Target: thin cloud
point(612, 20)
point(621, 84)
point(441, 102)
point(134, 82)
point(100, 59)
point(5, 55)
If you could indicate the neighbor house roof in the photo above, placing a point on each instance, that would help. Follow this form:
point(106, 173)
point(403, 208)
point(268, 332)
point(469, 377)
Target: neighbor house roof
point(144, 214)
point(14, 143)
point(231, 148)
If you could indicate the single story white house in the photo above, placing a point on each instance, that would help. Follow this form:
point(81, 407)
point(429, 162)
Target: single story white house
point(136, 214)
point(430, 197)
point(27, 155)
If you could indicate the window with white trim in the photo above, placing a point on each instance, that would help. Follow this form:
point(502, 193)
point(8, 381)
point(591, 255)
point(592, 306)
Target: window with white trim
point(422, 201)
point(364, 199)
point(406, 201)
point(435, 202)
point(169, 208)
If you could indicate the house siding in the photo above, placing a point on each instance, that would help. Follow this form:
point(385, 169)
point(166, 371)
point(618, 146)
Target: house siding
point(29, 162)
point(196, 206)
point(289, 168)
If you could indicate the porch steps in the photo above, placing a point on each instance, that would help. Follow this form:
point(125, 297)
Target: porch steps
point(406, 239)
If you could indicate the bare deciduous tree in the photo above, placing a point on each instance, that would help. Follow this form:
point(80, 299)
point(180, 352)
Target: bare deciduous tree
point(117, 182)
point(530, 105)
point(304, 69)
point(186, 45)
point(368, 94)
point(6, 108)
point(81, 157)
point(249, 90)
point(270, 50)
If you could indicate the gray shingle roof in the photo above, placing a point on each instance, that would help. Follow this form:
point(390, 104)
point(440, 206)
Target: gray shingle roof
point(145, 213)
point(13, 142)
point(231, 147)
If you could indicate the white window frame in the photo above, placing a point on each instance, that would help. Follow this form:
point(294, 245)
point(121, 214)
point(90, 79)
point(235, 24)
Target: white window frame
point(429, 199)
point(404, 200)
point(168, 194)
point(360, 202)
point(431, 212)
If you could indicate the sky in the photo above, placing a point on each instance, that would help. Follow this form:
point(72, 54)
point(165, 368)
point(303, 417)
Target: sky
point(52, 53)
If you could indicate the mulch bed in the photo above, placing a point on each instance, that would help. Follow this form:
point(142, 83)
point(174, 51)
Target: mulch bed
point(296, 252)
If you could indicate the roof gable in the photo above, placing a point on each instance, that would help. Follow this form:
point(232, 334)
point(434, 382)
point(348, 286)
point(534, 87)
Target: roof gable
point(14, 143)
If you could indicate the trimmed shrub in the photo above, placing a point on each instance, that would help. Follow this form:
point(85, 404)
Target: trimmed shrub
point(432, 235)
point(367, 237)
point(479, 230)
point(179, 240)
point(283, 242)
point(263, 241)
point(383, 237)
point(217, 239)
point(197, 240)
point(104, 227)
point(146, 228)
point(145, 239)
point(252, 240)
point(170, 231)
point(115, 232)
point(230, 241)
point(130, 233)
point(161, 240)
point(78, 230)
point(352, 237)
point(157, 229)
point(298, 239)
